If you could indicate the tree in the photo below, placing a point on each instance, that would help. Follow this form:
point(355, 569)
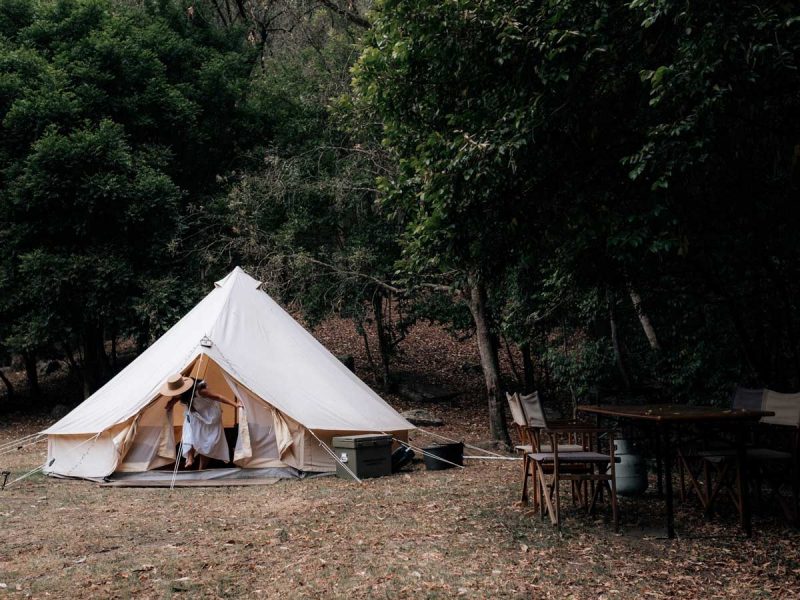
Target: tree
point(721, 157)
point(439, 77)
point(306, 220)
point(114, 119)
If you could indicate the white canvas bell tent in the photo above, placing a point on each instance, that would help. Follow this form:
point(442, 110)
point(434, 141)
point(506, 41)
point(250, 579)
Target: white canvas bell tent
point(296, 394)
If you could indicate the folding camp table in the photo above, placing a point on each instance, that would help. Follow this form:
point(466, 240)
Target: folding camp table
point(665, 418)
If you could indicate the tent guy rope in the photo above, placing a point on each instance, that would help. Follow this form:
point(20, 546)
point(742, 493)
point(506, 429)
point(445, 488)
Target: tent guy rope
point(83, 456)
point(29, 473)
point(20, 445)
point(52, 460)
point(465, 445)
point(21, 440)
point(333, 455)
point(425, 452)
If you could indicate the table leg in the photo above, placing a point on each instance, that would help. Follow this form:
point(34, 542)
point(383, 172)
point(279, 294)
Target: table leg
point(665, 431)
point(742, 483)
point(659, 474)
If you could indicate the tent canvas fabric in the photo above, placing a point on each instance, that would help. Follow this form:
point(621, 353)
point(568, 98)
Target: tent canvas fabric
point(296, 394)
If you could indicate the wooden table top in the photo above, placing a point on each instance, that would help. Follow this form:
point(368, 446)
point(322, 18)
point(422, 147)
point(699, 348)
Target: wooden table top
point(668, 413)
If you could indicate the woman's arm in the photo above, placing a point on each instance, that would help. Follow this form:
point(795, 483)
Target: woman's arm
point(206, 393)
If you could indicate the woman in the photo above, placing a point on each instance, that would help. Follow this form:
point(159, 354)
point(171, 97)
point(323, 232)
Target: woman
point(203, 434)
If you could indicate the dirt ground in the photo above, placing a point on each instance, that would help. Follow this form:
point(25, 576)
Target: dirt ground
point(419, 534)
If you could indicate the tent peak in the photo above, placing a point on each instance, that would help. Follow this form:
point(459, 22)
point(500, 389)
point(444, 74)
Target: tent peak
point(238, 274)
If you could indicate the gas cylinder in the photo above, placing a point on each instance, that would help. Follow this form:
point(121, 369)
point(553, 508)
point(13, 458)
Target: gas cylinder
point(630, 469)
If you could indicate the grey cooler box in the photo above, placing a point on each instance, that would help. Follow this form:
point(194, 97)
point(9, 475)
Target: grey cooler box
point(365, 455)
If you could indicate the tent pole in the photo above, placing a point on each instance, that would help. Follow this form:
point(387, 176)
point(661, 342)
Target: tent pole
point(188, 410)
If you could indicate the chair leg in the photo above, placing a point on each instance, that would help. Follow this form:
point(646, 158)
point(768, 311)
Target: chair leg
point(547, 504)
point(795, 494)
point(681, 477)
point(525, 474)
point(701, 489)
point(614, 507)
point(544, 495)
point(758, 483)
point(557, 501)
point(595, 496)
point(612, 491)
point(739, 492)
point(776, 480)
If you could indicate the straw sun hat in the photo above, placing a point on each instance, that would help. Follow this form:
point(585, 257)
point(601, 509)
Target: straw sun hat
point(176, 385)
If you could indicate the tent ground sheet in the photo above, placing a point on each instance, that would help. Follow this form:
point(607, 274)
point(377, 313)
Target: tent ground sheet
point(207, 477)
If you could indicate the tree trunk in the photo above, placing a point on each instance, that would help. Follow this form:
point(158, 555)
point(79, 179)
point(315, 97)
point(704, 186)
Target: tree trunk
point(487, 348)
point(114, 352)
point(142, 342)
point(512, 362)
point(74, 368)
point(371, 362)
point(612, 320)
point(528, 378)
point(95, 364)
point(9, 387)
point(647, 326)
point(384, 344)
point(33, 375)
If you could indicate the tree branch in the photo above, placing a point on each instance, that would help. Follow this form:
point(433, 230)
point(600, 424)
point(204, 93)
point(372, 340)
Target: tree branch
point(351, 16)
point(438, 287)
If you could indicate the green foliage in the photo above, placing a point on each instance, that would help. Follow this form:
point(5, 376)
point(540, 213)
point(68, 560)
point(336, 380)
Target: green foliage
point(307, 220)
point(441, 83)
point(568, 155)
point(567, 148)
point(113, 119)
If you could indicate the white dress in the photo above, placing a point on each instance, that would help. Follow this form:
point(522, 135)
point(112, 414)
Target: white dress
point(202, 430)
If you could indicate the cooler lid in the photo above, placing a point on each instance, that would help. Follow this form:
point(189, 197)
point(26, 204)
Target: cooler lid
point(361, 441)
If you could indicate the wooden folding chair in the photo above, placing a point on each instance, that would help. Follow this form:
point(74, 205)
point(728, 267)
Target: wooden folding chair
point(587, 469)
point(528, 409)
point(778, 465)
point(524, 447)
point(767, 463)
point(706, 463)
point(569, 441)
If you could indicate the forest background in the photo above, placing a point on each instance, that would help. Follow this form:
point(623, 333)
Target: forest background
point(606, 189)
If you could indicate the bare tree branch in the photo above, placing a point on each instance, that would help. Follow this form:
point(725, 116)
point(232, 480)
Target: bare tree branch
point(351, 16)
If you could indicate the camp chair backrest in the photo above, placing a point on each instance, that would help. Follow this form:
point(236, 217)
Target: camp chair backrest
point(785, 406)
point(532, 408)
point(748, 399)
point(516, 409)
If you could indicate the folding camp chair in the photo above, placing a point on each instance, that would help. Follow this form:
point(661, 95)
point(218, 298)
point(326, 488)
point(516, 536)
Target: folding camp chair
point(588, 470)
point(772, 463)
point(706, 462)
point(561, 451)
point(529, 417)
point(524, 447)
